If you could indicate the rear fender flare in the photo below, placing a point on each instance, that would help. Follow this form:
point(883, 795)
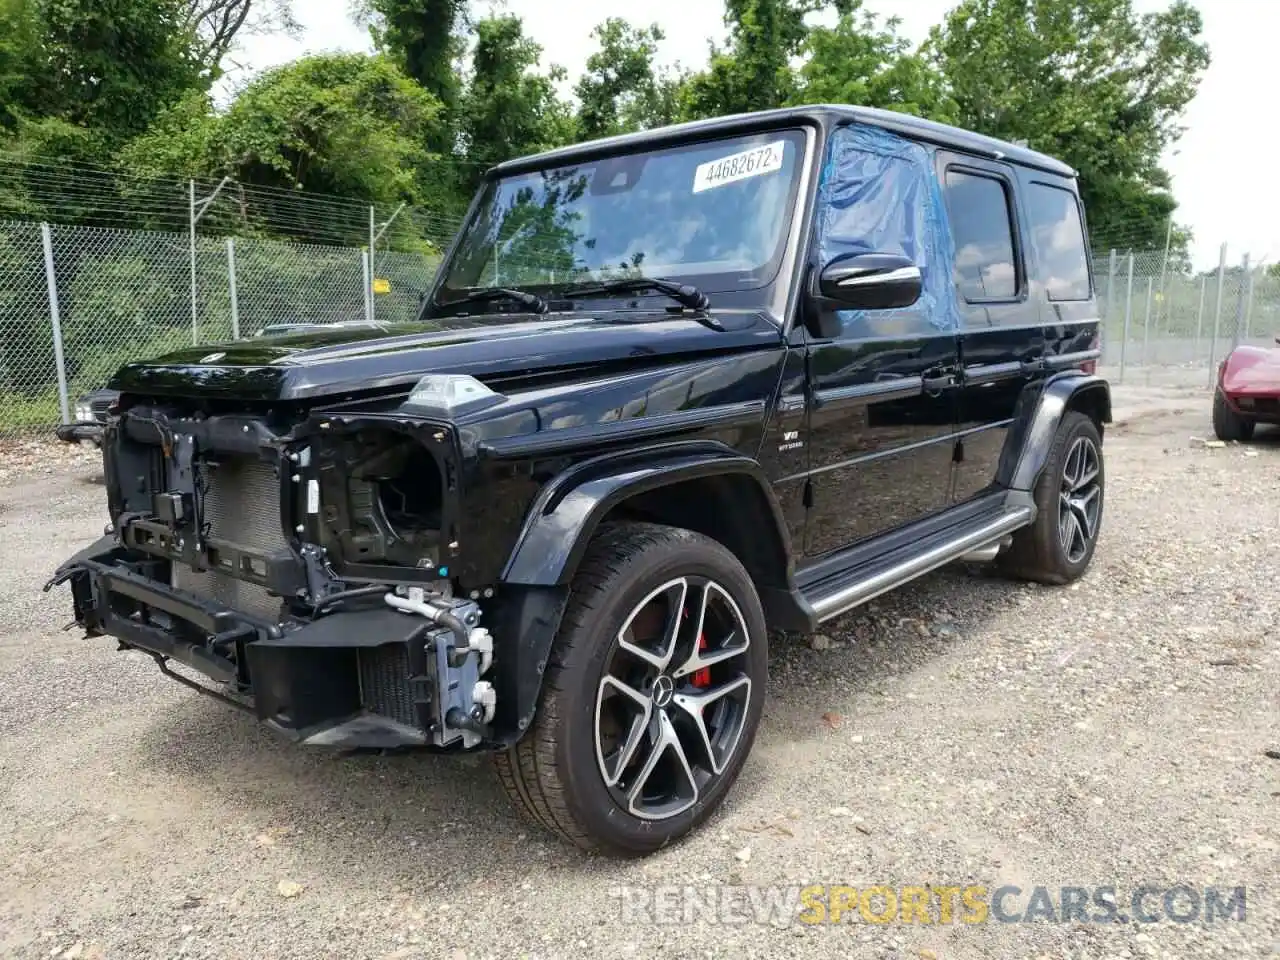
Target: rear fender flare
point(1039, 412)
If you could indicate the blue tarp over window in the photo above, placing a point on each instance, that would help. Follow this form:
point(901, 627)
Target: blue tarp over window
point(879, 194)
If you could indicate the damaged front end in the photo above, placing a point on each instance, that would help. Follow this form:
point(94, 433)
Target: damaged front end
point(300, 564)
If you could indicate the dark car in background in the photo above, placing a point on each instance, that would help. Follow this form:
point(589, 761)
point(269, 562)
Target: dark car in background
point(90, 415)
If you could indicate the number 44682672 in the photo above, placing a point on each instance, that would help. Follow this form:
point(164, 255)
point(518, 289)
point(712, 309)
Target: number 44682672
point(739, 166)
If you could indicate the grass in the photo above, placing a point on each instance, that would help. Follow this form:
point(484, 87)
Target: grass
point(23, 414)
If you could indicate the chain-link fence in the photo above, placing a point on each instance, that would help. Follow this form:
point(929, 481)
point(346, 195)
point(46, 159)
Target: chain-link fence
point(28, 367)
point(1161, 325)
point(77, 302)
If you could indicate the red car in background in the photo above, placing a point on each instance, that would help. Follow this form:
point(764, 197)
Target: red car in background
point(1248, 392)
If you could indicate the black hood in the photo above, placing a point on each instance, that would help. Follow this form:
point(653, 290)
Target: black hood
point(327, 363)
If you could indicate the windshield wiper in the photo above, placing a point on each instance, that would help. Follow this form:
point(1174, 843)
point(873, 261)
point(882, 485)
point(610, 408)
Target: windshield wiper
point(683, 293)
point(525, 299)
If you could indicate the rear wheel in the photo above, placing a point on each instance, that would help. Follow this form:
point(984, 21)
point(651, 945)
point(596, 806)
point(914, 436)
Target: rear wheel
point(1058, 546)
point(653, 695)
point(1227, 424)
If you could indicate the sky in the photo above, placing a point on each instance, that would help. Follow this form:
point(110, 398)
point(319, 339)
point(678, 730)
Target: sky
point(1222, 174)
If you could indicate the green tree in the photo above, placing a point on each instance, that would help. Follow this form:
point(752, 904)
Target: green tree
point(754, 72)
point(182, 142)
point(83, 76)
point(1089, 81)
point(78, 80)
point(19, 59)
point(861, 61)
point(621, 90)
point(347, 124)
point(112, 65)
point(425, 37)
point(428, 39)
point(1180, 250)
point(510, 109)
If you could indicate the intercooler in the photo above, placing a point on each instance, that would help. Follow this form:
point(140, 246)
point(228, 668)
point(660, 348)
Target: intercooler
point(241, 503)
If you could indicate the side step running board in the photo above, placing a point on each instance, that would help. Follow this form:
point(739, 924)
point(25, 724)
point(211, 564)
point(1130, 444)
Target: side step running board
point(890, 573)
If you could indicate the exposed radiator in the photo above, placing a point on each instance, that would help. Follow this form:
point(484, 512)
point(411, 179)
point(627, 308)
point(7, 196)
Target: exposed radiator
point(241, 504)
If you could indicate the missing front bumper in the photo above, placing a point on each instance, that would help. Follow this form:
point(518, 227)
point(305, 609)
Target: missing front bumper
point(373, 677)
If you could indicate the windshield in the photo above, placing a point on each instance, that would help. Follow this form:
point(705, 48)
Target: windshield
point(712, 214)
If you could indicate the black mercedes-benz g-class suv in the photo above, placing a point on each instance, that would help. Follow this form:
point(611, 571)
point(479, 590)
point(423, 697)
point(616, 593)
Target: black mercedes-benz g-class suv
point(672, 393)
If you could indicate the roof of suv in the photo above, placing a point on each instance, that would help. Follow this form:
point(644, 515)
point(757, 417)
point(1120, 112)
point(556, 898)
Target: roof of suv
point(904, 124)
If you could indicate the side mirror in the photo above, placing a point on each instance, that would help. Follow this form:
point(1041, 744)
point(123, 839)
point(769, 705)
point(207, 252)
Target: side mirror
point(871, 281)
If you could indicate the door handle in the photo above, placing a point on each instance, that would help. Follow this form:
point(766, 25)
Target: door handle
point(1031, 368)
point(935, 385)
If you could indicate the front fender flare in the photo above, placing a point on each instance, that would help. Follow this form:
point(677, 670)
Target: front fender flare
point(567, 510)
point(1040, 409)
point(559, 526)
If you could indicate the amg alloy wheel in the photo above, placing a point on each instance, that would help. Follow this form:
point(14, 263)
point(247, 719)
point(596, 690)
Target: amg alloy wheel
point(672, 704)
point(1069, 497)
point(1080, 499)
point(654, 692)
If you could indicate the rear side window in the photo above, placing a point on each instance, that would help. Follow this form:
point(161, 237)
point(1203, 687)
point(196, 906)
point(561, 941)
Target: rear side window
point(1058, 236)
point(979, 210)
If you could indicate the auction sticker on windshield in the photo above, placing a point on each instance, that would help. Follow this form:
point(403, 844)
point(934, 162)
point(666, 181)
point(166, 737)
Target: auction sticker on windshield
point(739, 166)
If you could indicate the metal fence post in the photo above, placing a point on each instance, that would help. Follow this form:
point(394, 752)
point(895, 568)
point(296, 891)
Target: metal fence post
point(368, 286)
point(195, 321)
point(376, 231)
point(1111, 285)
point(231, 283)
point(55, 319)
point(1248, 307)
point(1164, 271)
point(198, 210)
point(373, 259)
point(1146, 332)
point(1195, 354)
point(1128, 316)
point(1244, 275)
point(1217, 310)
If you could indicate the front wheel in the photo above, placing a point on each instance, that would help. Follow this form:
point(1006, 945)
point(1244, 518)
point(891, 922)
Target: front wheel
point(1058, 546)
point(1227, 424)
point(653, 695)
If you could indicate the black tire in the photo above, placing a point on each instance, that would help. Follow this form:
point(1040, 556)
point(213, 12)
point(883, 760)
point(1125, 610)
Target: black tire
point(1227, 424)
point(1038, 551)
point(557, 772)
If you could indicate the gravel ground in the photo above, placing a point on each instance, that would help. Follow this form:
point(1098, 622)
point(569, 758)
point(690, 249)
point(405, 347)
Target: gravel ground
point(963, 730)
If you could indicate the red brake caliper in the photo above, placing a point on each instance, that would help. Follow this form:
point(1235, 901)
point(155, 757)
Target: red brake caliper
point(702, 678)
